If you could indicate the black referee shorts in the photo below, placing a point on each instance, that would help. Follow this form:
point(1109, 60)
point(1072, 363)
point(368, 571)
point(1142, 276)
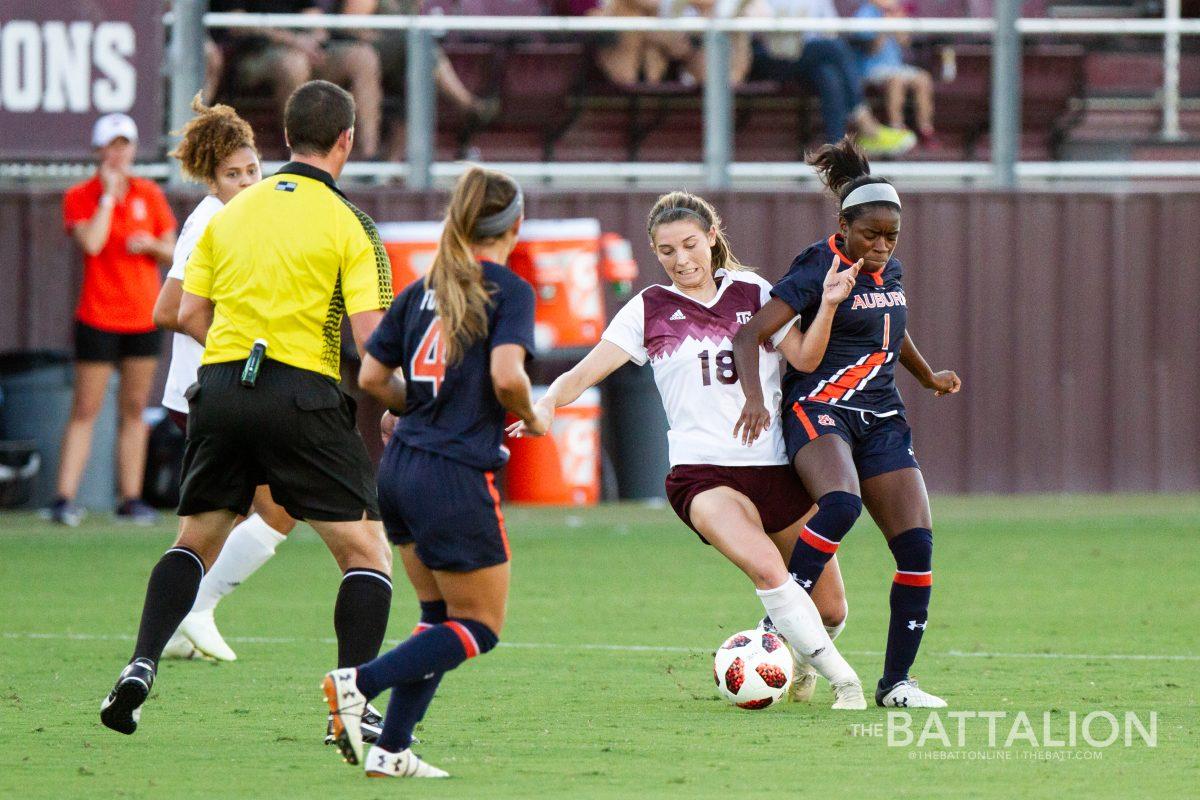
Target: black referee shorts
point(294, 431)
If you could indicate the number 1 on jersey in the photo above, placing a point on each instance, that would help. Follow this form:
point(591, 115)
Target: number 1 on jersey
point(429, 362)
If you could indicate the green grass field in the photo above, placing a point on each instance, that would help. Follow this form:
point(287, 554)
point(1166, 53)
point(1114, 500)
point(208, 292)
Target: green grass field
point(602, 686)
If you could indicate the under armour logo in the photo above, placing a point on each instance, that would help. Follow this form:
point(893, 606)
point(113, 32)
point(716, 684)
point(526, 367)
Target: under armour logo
point(913, 625)
point(901, 702)
point(804, 584)
point(677, 315)
point(382, 760)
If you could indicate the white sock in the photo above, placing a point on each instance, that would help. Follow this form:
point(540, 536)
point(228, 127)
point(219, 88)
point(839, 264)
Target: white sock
point(250, 545)
point(797, 618)
point(835, 630)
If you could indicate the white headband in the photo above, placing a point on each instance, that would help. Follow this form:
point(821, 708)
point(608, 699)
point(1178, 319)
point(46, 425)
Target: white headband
point(871, 193)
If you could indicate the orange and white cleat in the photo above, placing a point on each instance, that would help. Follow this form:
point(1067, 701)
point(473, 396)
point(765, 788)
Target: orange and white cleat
point(346, 704)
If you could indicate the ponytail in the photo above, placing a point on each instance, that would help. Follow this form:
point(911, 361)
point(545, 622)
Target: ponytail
point(676, 206)
point(843, 167)
point(455, 276)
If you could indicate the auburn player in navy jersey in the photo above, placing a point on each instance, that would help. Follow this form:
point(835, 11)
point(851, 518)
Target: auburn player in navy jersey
point(448, 361)
point(843, 421)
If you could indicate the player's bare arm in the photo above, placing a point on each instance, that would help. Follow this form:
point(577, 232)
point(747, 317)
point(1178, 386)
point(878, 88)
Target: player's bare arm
point(383, 383)
point(166, 307)
point(513, 389)
point(762, 326)
point(805, 351)
point(195, 316)
point(604, 359)
point(944, 382)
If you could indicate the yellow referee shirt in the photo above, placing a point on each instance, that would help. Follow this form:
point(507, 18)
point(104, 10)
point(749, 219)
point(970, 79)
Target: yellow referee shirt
point(284, 261)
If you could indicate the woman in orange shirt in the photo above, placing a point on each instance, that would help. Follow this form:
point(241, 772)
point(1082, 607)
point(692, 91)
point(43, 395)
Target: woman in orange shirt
point(126, 230)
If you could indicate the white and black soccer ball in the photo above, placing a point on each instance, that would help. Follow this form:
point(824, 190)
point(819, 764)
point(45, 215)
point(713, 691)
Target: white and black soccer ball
point(753, 669)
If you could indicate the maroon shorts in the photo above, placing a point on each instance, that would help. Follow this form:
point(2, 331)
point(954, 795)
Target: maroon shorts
point(775, 491)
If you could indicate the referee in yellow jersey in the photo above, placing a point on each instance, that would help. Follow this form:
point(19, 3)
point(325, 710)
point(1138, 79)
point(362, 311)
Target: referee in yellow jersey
point(265, 291)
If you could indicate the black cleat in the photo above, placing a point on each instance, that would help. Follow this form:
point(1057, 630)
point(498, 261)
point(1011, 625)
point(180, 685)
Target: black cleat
point(122, 709)
point(372, 728)
point(372, 725)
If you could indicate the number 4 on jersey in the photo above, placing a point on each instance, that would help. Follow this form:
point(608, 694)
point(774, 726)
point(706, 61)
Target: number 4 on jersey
point(429, 362)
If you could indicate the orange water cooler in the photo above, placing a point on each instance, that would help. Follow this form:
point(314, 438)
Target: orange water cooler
point(563, 467)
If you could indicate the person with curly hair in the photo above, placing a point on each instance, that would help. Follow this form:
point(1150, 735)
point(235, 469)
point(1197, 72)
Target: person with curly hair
point(217, 149)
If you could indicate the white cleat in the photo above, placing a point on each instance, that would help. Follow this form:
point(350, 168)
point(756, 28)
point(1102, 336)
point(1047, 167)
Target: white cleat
point(346, 704)
point(906, 694)
point(804, 683)
point(201, 630)
point(181, 647)
point(405, 764)
point(848, 696)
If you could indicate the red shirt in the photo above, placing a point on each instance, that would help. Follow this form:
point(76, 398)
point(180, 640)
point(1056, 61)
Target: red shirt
point(119, 287)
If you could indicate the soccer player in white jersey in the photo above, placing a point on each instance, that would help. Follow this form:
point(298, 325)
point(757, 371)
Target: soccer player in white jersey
point(738, 495)
point(217, 149)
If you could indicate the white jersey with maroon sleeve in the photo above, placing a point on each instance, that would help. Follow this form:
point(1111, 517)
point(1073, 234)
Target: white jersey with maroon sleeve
point(689, 345)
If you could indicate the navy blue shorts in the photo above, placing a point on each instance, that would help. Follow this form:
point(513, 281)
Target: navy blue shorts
point(449, 510)
point(878, 444)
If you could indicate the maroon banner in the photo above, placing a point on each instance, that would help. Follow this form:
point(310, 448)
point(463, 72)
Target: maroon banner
point(63, 63)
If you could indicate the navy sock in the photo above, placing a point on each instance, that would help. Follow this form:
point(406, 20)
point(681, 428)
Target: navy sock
point(410, 700)
point(438, 649)
point(911, 589)
point(414, 669)
point(819, 539)
point(433, 612)
point(170, 593)
point(360, 615)
point(407, 706)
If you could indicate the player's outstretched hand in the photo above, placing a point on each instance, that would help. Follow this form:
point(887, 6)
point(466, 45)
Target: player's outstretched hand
point(945, 382)
point(543, 413)
point(754, 420)
point(839, 285)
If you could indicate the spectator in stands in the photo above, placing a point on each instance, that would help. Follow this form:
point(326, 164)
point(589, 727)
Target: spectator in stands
point(392, 47)
point(881, 62)
point(287, 58)
point(828, 64)
point(636, 56)
point(650, 57)
point(126, 230)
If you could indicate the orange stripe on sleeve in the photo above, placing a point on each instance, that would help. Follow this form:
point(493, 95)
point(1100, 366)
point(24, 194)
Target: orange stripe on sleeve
point(808, 426)
point(914, 578)
point(491, 483)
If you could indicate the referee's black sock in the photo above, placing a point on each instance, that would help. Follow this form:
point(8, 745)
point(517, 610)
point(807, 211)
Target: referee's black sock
point(361, 614)
point(170, 594)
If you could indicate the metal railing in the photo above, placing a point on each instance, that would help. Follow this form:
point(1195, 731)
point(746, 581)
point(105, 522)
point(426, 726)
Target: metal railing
point(718, 170)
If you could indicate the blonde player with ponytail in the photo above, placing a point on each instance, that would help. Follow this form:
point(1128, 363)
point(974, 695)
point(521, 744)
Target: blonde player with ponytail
point(448, 361)
point(739, 496)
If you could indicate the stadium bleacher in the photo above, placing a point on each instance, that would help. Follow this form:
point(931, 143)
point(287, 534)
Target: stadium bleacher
point(1081, 99)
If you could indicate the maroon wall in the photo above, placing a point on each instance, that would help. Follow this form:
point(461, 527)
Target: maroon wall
point(1072, 318)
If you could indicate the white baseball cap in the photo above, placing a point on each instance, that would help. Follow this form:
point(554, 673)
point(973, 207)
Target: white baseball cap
point(113, 126)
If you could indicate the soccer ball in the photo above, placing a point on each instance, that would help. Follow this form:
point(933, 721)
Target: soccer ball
point(753, 669)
